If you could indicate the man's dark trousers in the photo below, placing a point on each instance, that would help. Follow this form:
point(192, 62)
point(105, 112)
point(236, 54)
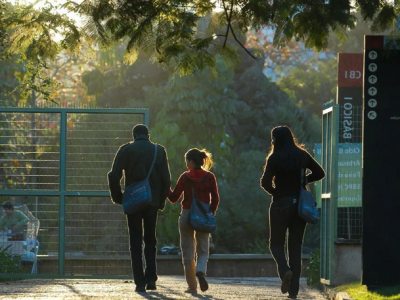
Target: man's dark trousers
point(142, 227)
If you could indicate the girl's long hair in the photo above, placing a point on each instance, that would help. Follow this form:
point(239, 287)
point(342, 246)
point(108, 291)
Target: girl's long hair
point(202, 158)
point(286, 148)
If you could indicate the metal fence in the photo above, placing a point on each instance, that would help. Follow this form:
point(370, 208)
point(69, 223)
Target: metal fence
point(328, 192)
point(341, 189)
point(54, 161)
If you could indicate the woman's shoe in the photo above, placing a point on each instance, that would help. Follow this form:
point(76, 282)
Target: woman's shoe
point(286, 282)
point(190, 291)
point(140, 289)
point(202, 281)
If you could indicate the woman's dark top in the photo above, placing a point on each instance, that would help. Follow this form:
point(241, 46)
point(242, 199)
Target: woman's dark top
point(280, 182)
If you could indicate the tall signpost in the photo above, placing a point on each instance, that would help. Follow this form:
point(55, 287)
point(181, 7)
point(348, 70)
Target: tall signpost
point(349, 99)
point(381, 162)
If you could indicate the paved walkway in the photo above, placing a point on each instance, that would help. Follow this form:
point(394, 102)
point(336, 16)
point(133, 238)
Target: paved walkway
point(168, 287)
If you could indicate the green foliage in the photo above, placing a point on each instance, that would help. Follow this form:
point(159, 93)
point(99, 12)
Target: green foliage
point(310, 87)
point(230, 115)
point(34, 37)
point(259, 246)
point(184, 35)
point(360, 292)
point(168, 224)
point(313, 269)
point(9, 263)
point(194, 112)
point(166, 28)
point(312, 236)
point(243, 214)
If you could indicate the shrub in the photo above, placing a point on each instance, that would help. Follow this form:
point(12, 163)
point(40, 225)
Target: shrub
point(313, 269)
point(9, 263)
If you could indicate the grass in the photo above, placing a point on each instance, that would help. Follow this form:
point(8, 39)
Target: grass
point(360, 292)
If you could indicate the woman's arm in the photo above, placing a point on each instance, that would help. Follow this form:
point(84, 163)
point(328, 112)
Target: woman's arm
point(174, 195)
point(267, 177)
point(317, 172)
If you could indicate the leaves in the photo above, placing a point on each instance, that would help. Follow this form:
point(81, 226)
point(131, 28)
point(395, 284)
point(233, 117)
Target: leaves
point(131, 56)
point(185, 35)
point(8, 262)
point(313, 269)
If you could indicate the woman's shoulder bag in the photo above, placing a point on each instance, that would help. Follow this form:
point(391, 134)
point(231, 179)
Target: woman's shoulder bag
point(307, 205)
point(201, 218)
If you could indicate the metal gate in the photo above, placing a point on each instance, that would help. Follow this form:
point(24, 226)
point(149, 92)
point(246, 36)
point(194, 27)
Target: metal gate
point(53, 162)
point(330, 121)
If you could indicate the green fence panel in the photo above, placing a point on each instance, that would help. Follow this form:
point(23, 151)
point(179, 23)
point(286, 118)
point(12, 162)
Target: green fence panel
point(54, 163)
point(329, 192)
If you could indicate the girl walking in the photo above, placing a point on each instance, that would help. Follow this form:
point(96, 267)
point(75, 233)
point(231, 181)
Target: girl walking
point(194, 244)
point(286, 163)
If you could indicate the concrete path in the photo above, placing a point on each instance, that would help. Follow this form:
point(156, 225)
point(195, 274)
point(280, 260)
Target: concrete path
point(168, 287)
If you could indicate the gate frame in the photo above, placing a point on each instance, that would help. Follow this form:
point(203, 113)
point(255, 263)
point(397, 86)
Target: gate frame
point(329, 196)
point(62, 192)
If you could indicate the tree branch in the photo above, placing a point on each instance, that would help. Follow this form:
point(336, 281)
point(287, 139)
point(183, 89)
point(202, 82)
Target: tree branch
point(273, 10)
point(57, 68)
point(228, 19)
point(241, 45)
point(229, 26)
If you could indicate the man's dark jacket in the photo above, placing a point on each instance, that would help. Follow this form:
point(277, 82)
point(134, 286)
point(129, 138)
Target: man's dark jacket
point(135, 159)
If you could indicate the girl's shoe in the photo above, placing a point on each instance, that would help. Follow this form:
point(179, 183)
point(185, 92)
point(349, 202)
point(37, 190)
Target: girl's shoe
point(190, 291)
point(202, 281)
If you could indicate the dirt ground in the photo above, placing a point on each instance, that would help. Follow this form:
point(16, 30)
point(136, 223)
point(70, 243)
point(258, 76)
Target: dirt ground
point(168, 287)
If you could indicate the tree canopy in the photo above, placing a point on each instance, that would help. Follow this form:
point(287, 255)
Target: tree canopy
point(185, 34)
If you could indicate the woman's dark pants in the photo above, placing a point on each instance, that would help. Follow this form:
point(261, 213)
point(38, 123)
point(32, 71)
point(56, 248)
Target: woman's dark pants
point(283, 217)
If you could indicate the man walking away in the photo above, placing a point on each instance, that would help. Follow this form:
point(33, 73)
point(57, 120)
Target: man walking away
point(135, 160)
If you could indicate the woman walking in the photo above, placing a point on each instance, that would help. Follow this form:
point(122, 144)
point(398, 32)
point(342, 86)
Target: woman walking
point(282, 179)
point(194, 244)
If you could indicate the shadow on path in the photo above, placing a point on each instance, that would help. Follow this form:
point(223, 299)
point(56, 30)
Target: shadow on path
point(72, 289)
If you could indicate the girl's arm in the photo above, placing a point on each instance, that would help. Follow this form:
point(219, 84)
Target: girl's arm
point(174, 195)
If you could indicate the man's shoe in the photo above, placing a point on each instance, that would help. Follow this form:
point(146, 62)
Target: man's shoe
point(202, 281)
point(140, 289)
point(286, 282)
point(292, 296)
point(151, 286)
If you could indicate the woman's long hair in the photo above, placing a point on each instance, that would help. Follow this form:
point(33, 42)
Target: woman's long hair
point(286, 147)
point(201, 158)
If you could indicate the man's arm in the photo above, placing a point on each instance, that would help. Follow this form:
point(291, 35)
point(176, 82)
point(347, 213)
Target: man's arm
point(114, 177)
point(22, 219)
point(165, 176)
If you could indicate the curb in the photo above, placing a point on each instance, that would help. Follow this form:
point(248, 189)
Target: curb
point(333, 295)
